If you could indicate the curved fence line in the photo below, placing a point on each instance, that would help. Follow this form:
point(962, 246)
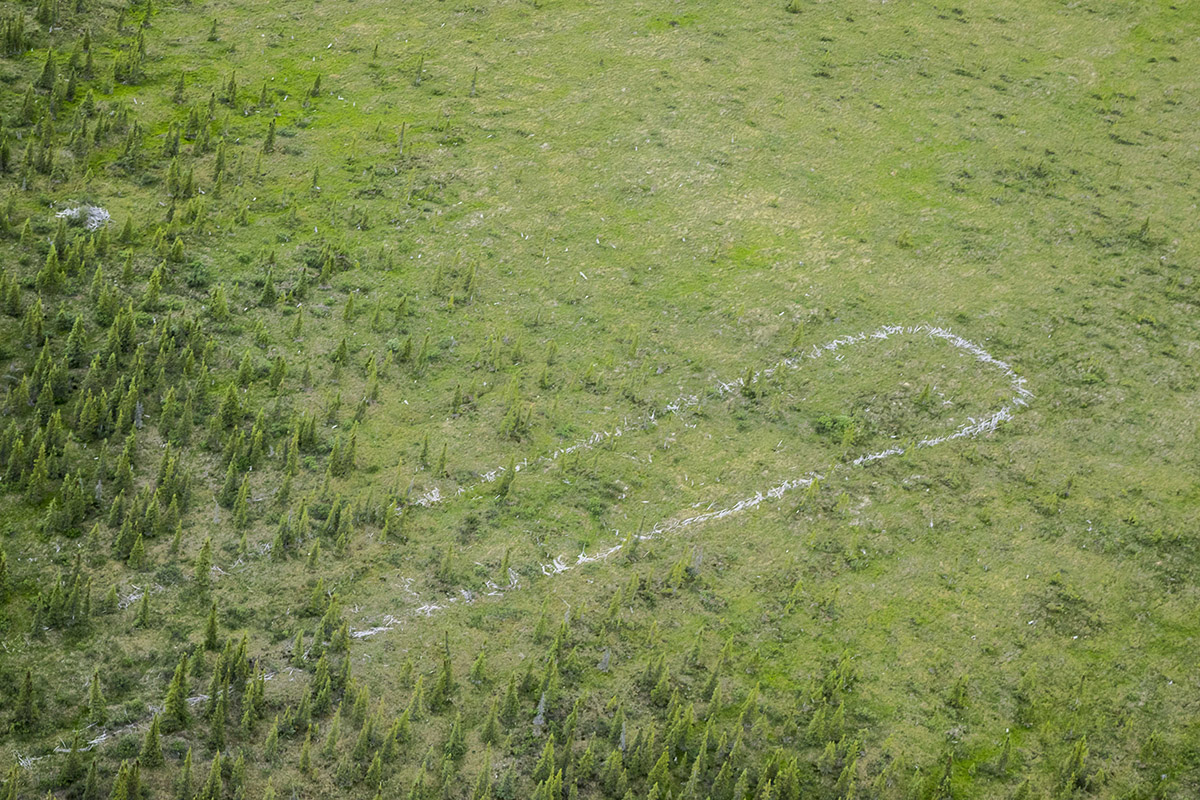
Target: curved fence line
point(974, 427)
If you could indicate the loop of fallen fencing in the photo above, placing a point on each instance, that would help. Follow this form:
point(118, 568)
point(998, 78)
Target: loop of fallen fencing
point(1021, 395)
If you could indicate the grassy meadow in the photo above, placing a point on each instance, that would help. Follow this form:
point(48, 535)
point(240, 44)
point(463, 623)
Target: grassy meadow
point(400, 308)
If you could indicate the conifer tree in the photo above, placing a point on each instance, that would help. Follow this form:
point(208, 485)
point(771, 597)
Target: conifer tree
point(545, 765)
point(422, 355)
point(49, 72)
point(210, 628)
point(12, 783)
point(491, 727)
point(505, 483)
point(478, 674)
point(126, 786)
point(97, 707)
point(483, 783)
point(269, 140)
point(237, 776)
point(230, 411)
point(229, 488)
point(241, 505)
point(332, 736)
point(91, 782)
point(151, 755)
point(213, 788)
point(204, 566)
point(175, 707)
point(305, 764)
point(72, 769)
point(108, 604)
point(271, 743)
point(26, 714)
point(216, 728)
point(456, 742)
point(137, 554)
point(958, 694)
point(375, 770)
point(400, 733)
point(1072, 774)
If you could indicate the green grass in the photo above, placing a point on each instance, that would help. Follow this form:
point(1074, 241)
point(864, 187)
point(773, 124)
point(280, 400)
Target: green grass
point(652, 199)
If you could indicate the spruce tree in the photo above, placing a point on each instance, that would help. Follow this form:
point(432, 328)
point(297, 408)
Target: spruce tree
point(456, 742)
point(178, 714)
point(505, 483)
point(91, 783)
point(183, 782)
point(478, 674)
point(151, 755)
point(210, 628)
point(143, 614)
point(73, 769)
point(483, 783)
point(491, 728)
point(108, 603)
point(228, 493)
point(204, 566)
point(332, 736)
point(271, 743)
point(125, 785)
point(216, 728)
point(25, 714)
point(213, 788)
point(241, 505)
point(400, 733)
point(1072, 774)
point(305, 764)
point(511, 706)
point(416, 701)
point(545, 765)
point(237, 776)
point(375, 770)
point(49, 72)
point(137, 554)
point(97, 708)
